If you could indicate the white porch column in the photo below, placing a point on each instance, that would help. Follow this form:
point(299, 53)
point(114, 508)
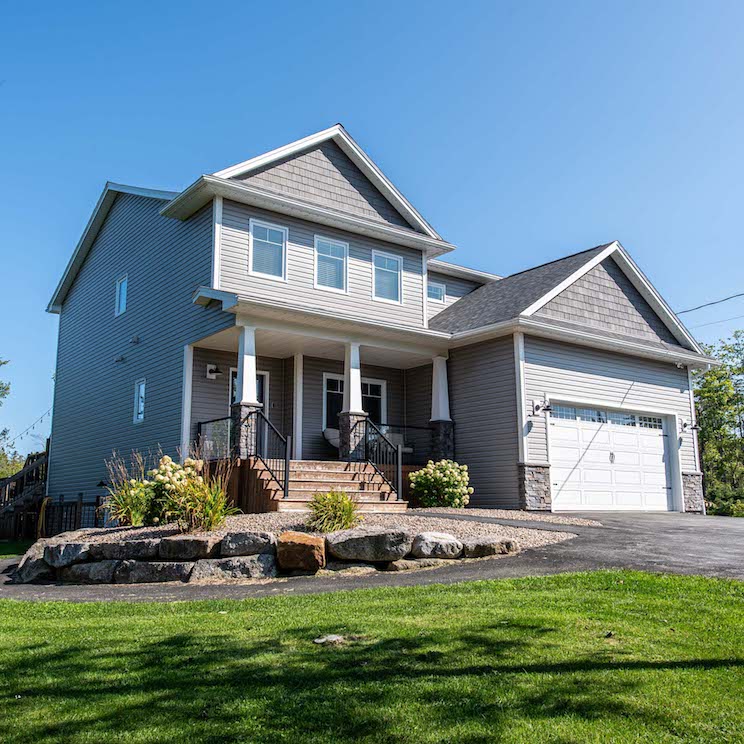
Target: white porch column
point(297, 406)
point(352, 380)
point(440, 410)
point(247, 391)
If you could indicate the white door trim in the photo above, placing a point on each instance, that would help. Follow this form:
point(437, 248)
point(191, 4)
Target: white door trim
point(267, 380)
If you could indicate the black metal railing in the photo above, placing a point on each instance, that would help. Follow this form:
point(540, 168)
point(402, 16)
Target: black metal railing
point(369, 443)
point(214, 438)
point(270, 446)
point(416, 440)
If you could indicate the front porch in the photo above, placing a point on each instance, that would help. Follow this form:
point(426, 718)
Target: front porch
point(301, 412)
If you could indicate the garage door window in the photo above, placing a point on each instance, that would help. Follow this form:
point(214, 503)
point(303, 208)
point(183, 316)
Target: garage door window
point(621, 419)
point(650, 422)
point(594, 415)
point(591, 414)
point(563, 412)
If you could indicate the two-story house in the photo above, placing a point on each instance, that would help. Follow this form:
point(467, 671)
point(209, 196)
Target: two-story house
point(296, 306)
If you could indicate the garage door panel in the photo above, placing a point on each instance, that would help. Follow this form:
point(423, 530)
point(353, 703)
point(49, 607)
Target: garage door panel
point(629, 499)
point(596, 437)
point(591, 476)
point(565, 434)
point(627, 458)
point(566, 476)
point(625, 439)
point(628, 477)
point(596, 499)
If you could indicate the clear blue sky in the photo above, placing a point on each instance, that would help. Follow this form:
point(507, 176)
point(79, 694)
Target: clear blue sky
point(522, 130)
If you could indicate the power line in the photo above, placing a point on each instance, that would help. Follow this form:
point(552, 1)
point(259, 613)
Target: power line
point(715, 322)
point(25, 431)
point(708, 304)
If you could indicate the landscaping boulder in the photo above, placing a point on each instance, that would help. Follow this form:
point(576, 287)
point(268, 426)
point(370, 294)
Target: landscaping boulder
point(409, 564)
point(298, 551)
point(262, 566)
point(147, 572)
point(247, 543)
point(481, 547)
point(97, 572)
point(123, 550)
point(32, 565)
point(436, 545)
point(372, 544)
point(61, 554)
point(188, 547)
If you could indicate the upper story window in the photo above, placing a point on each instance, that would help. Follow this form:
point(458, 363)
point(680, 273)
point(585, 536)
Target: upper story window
point(386, 277)
point(121, 295)
point(331, 259)
point(435, 291)
point(268, 250)
point(139, 401)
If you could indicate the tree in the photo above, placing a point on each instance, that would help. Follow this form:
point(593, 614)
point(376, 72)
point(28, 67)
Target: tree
point(10, 460)
point(719, 394)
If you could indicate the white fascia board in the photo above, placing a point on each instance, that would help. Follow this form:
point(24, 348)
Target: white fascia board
point(588, 266)
point(205, 295)
point(207, 187)
point(100, 211)
point(344, 140)
point(462, 272)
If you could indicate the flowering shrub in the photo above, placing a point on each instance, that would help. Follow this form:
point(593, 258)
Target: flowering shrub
point(331, 511)
point(443, 483)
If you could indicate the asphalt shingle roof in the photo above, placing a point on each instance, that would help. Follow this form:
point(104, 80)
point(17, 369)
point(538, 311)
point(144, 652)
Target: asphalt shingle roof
point(506, 298)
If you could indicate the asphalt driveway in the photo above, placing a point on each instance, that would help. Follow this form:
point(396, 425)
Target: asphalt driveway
point(660, 542)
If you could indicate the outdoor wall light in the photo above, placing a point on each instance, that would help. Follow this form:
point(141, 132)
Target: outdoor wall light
point(213, 371)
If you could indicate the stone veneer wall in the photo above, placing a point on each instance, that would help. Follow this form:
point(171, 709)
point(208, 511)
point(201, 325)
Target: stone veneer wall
point(534, 487)
point(692, 491)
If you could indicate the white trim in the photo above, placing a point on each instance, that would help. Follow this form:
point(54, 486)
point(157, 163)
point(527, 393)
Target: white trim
point(399, 260)
point(119, 281)
point(186, 396)
point(429, 283)
point(462, 272)
point(216, 241)
point(204, 295)
point(342, 138)
point(297, 404)
point(521, 395)
point(267, 380)
point(285, 249)
point(693, 421)
point(345, 246)
point(135, 418)
point(440, 406)
point(425, 280)
point(368, 380)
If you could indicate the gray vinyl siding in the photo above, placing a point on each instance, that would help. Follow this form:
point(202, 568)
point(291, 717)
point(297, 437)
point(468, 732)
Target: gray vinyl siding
point(326, 176)
point(418, 395)
point(210, 399)
point(299, 291)
point(482, 384)
point(165, 260)
point(577, 374)
point(314, 445)
point(454, 289)
point(605, 298)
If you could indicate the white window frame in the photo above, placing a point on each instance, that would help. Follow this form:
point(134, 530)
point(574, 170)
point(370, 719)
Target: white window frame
point(399, 260)
point(335, 376)
point(436, 284)
point(123, 278)
point(271, 226)
point(345, 246)
point(267, 380)
point(136, 418)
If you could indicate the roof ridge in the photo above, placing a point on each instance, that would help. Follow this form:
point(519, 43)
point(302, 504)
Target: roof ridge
point(562, 258)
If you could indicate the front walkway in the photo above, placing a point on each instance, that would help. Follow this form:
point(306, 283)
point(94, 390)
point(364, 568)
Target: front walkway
point(668, 542)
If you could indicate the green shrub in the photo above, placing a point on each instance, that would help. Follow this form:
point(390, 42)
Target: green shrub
point(737, 509)
point(132, 499)
point(722, 499)
point(332, 511)
point(443, 483)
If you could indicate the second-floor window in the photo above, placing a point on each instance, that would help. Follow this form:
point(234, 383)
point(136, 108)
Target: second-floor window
point(331, 257)
point(435, 291)
point(386, 277)
point(268, 250)
point(121, 295)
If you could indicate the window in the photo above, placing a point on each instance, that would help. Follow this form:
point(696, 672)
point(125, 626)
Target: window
point(435, 291)
point(268, 250)
point(592, 414)
point(139, 401)
point(650, 422)
point(330, 264)
point(386, 277)
point(621, 419)
point(121, 295)
point(374, 400)
point(563, 412)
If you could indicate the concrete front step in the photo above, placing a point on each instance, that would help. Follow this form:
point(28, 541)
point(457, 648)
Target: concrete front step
point(333, 475)
point(290, 504)
point(331, 466)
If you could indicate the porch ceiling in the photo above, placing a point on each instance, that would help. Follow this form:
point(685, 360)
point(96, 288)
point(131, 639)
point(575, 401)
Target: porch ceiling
point(281, 344)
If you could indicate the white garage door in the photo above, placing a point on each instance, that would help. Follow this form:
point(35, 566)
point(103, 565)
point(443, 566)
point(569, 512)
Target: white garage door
point(607, 460)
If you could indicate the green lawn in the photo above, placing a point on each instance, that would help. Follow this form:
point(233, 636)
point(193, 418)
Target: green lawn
point(604, 657)
point(12, 548)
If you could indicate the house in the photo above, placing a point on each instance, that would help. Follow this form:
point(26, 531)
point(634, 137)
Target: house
point(296, 309)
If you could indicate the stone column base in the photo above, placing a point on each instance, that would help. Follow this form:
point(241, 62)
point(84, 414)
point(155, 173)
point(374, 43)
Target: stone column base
point(243, 430)
point(534, 487)
point(351, 436)
point(442, 440)
point(692, 492)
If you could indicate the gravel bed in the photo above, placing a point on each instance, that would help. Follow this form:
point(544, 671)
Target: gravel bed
point(524, 516)
point(279, 522)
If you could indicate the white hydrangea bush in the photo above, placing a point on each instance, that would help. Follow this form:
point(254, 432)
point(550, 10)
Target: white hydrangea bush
point(443, 483)
point(171, 476)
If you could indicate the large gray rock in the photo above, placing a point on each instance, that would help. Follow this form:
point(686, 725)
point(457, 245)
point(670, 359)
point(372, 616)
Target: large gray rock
point(411, 564)
point(32, 565)
point(150, 572)
point(436, 545)
point(97, 572)
point(247, 543)
point(124, 550)
point(372, 544)
point(188, 547)
point(61, 554)
point(262, 566)
point(482, 547)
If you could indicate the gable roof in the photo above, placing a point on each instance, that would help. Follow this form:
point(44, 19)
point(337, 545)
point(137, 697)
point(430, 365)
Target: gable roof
point(461, 272)
point(100, 212)
point(343, 139)
point(521, 295)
